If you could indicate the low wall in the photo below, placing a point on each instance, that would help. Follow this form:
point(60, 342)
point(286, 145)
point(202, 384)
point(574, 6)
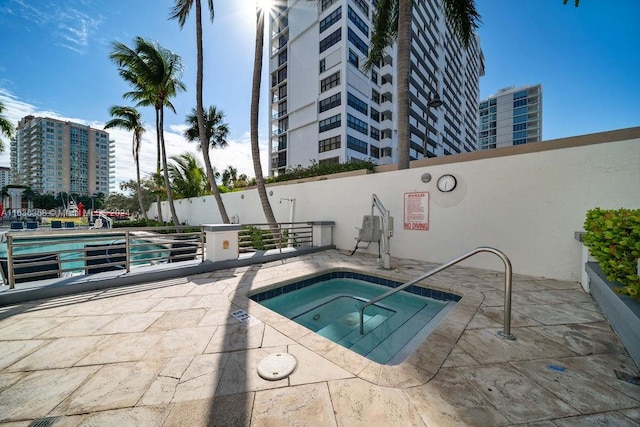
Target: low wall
point(526, 201)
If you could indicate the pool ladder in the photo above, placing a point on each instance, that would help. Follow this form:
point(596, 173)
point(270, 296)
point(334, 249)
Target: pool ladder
point(506, 333)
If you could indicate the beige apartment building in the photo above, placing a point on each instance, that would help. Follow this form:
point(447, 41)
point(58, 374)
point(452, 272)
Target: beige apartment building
point(53, 156)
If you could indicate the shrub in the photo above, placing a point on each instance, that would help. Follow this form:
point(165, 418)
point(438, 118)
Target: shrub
point(319, 169)
point(613, 239)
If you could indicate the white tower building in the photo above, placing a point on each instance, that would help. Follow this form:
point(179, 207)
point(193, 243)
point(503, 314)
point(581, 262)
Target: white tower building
point(326, 108)
point(513, 116)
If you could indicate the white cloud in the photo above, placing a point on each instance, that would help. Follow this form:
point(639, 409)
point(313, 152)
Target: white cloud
point(238, 152)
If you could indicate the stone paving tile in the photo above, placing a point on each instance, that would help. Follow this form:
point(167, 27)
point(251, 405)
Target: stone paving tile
point(493, 317)
point(294, 406)
point(585, 339)
point(515, 395)
point(136, 322)
point(359, 403)
point(40, 392)
point(450, 400)
point(459, 357)
point(59, 353)
point(240, 373)
point(236, 337)
point(558, 314)
point(7, 379)
point(184, 318)
point(632, 414)
point(201, 378)
point(26, 328)
point(138, 416)
point(114, 386)
point(272, 338)
point(485, 346)
point(78, 326)
point(221, 411)
point(122, 348)
point(13, 351)
point(582, 391)
point(493, 299)
point(313, 368)
point(163, 388)
point(218, 317)
point(220, 302)
point(182, 342)
point(604, 419)
point(134, 305)
point(175, 303)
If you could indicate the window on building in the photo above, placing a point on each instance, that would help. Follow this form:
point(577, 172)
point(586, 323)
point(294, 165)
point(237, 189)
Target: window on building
point(374, 133)
point(330, 40)
point(357, 144)
point(357, 42)
point(356, 103)
point(375, 96)
point(354, 59)
point(362, 26)
point(357, 124)
point(330, 123)
point(326, 4)
point(332, 81)
point(329, 144)
point(323, 65)
point(374, 76)
point(330, 160)
point(363, 6)
point(375, 115)
point(331, 19)
point(374, 151)
point(330, 102)
point(519, 126)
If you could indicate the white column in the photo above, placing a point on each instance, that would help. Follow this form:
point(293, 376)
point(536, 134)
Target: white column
point(222, 241)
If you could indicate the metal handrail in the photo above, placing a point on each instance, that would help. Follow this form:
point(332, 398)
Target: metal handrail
point(506, 333)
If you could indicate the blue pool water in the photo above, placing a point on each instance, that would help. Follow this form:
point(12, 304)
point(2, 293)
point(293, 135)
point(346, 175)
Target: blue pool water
point(331, 307)
point(71, 252)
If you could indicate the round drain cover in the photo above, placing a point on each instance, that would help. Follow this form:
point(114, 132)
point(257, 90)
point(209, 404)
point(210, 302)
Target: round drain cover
point(277, 366)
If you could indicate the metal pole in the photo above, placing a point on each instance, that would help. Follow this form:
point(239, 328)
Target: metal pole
point(426, 130)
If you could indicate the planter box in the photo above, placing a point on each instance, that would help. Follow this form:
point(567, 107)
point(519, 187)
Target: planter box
point(623, 312)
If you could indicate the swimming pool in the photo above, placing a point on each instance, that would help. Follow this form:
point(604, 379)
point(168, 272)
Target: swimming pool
point(72, 248)
point(329, 305)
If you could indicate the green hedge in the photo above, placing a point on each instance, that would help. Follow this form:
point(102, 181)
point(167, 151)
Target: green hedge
point(613, 239)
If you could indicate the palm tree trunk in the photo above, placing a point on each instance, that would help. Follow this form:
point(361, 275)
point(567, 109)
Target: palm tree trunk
point(144, 212)
point(204, 141)
point(255, 106)
point(158, 169)
point(167, 182)
point(403, 58)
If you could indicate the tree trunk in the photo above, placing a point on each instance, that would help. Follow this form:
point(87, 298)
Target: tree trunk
point(167, 181)
point(158, 169)
point(255, 106)
point(136, 157)
point(202, 133)
point(403, 62)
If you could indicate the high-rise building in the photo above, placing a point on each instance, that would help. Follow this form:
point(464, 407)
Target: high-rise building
point(53, 156)
point(513, 116)
point(326, 108)
point(5, 176)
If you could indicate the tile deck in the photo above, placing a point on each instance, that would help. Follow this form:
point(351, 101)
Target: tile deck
point(170, 353)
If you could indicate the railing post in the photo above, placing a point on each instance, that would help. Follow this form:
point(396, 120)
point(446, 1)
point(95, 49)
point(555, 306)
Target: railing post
point(202, 243)
point(127, 251)
point(321, 232)
point(222, 241)
point(10, 278)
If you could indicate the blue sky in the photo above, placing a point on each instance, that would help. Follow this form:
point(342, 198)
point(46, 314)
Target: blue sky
point(54, 60)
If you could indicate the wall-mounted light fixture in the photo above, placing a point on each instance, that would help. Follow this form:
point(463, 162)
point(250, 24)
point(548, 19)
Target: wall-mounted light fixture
point(426, 177)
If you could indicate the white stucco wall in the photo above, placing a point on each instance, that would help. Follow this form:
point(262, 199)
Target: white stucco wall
point(527, 205)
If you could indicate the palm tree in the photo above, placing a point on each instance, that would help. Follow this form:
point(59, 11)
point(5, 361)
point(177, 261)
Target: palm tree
point(188, 177)
point(128, 118)
point(154, 73)
point(255, 106)
point(392, 21)
point(6, 127)
point(215, 131)
point(229, 176)
point(180, 12)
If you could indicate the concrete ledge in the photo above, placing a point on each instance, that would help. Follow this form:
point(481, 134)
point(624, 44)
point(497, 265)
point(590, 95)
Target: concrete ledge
point(622, 312)
point(87, 283)
point(221, 227)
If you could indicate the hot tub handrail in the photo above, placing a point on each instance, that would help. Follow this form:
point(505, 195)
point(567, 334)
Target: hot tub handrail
point(506, 333)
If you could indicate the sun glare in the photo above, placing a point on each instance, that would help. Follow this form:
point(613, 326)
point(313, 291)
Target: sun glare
point(264, 4)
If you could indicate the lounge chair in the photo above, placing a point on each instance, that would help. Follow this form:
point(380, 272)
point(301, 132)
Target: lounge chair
point(97, 223)
point(48, 265)
point(105, 257)
point(69, 224)
point(17, 225)
point(56, 224)
point(32, 225)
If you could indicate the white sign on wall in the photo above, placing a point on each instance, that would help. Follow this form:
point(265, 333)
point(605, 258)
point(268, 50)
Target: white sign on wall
point(416, 211)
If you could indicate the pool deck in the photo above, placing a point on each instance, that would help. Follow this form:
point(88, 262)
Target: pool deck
point(169, 353)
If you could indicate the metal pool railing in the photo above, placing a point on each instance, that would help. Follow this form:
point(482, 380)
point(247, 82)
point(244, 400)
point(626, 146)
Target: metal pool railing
point(37, 255)
point(255, 237)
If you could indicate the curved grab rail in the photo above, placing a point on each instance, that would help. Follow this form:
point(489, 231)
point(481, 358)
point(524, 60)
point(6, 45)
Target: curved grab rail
point(506, 333)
